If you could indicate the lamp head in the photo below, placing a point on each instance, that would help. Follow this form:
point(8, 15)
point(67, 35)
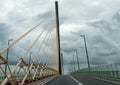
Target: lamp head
point(82, 35)
point(11, 39)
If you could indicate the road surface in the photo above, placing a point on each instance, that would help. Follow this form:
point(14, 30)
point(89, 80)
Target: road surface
point(91, 81)
point(62, 80)
point(76, 80)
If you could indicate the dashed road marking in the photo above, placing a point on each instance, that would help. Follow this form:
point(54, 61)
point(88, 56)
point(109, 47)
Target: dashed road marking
point(79, 83)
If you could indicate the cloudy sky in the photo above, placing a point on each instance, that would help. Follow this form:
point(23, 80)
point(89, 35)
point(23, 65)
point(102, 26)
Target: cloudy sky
point(98, 20)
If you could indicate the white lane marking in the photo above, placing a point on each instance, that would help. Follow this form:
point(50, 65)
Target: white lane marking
point(44, 82)
point(79, 83)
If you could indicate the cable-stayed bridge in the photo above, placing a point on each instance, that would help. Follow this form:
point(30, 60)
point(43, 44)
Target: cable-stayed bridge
point(40, 63)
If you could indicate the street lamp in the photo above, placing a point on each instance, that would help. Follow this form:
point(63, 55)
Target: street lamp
point(86, 50)
point(77, 59)
point(72, 67)
point(30, 58)
point(7, 55)
point(74, 63)
point(62, 67)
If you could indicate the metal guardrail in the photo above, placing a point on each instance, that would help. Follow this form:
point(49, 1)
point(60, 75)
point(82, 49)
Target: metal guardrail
point(2, 77)
point(112, 70)
point(18, 78)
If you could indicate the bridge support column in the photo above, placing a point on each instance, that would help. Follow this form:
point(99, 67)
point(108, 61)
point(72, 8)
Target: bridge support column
point(58, 36)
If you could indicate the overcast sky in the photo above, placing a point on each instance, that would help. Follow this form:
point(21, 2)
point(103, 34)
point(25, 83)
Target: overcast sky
point(98, 20)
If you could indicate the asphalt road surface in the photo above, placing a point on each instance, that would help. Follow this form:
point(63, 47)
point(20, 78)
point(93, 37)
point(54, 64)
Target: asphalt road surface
point(81, 80)
point(91, 81)
point(62, 80)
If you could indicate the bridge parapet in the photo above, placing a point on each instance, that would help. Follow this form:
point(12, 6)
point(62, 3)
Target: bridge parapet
point(109, 71)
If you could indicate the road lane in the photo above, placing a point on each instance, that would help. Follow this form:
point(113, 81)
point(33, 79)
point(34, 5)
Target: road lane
point(77, 80)
point(91, 81)
point(62, 80)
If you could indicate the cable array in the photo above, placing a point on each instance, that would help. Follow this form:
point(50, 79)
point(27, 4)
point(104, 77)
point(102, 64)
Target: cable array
point(40, 66)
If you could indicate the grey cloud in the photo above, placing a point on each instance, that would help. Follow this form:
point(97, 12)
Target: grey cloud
point(45, 15)
point(107, 52)
point(102, 38)
point(49, 16)
point(103, 32)
point(116, 59)
point(63, 19)
point(116, 17)
point(101, 24)
point(98, 61)
point(101, 28)
point(16, 17)
point(4, 31)
point(68, 47)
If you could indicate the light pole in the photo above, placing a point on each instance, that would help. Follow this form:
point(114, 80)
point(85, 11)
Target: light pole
point(30, 58)
point(86, 51)
point(77, 59)
point(62, 67)
point(74, 63)
point(7, 55)
point(72, 67)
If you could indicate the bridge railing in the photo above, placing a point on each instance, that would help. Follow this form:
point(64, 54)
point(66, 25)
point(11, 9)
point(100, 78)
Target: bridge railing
point(111, 71)
point(42, 73)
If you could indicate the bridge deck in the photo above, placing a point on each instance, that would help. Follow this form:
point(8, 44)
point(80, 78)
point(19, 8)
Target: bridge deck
point(76, 80)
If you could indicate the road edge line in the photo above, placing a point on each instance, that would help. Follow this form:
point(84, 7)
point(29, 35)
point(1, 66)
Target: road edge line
point(44, 82)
